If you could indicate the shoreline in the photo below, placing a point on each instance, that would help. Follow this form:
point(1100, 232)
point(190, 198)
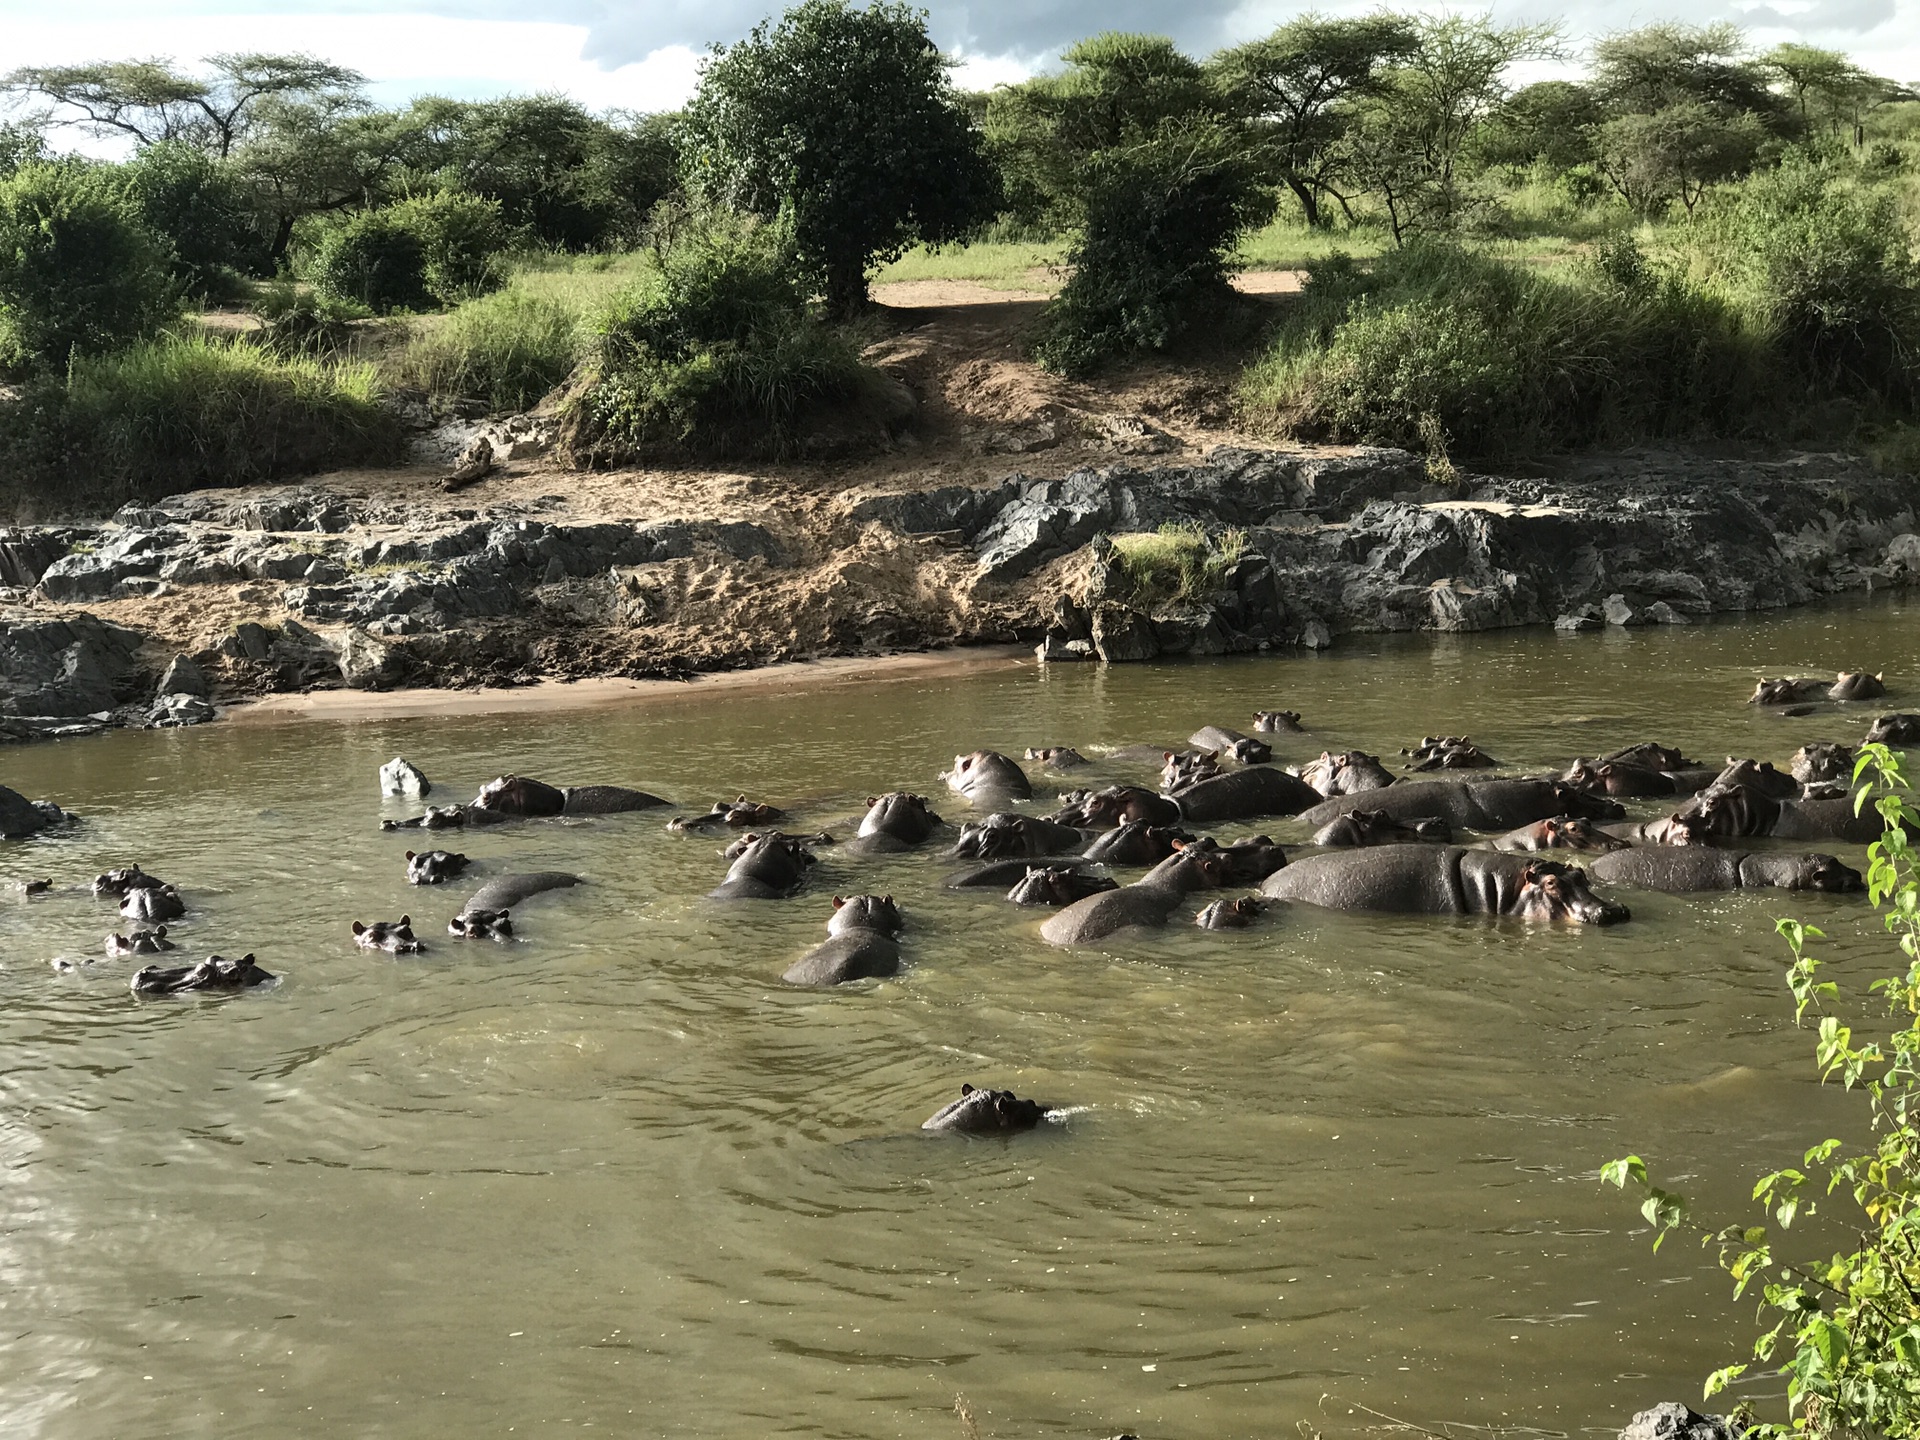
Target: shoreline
point(610, 692)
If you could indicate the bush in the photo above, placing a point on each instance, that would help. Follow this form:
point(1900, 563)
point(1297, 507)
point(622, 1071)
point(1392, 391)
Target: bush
point(79, 274)
point(716, 351)
point(506, 350)
point(375, 259)
point(461, 239)
point(190, 201)
point(300, 322)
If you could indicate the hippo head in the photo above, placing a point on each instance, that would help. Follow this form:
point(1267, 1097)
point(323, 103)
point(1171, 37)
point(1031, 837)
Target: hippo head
point(987, 771)
point(793, 846)
point(1828, 873)
point(213, 973)
point(1782, 692)
point(433, 867)
point(1822, 762)
point(1575, 832)
point(393, 936)
point(1899, 729)
point(1857, 685)
point(1180, 769)
point(1058, 756)
point(517, 795)
point(1056, 886)
point(1758, 776)
point(1116, 805)
point(1585, 805)
point(1249, 860)
point(865, 912)
point(482, 925)
point(901, 815)
point(140, 942)
point(119, 882)
point(1653, 756)
point(744, 812)
point(998, 837)
point(1228, 914)
point(35, 887)
point(153, 902)
point(986, 1112)
point(1276, 720)
point(1552, 891)
point(1193, 868)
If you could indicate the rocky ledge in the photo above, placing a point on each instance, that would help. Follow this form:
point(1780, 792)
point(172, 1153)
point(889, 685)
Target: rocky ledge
point(153, 615)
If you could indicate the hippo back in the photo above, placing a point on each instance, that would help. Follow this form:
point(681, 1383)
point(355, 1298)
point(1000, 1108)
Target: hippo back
point(1246, 794)
point(608, 800)
point(1399, 879)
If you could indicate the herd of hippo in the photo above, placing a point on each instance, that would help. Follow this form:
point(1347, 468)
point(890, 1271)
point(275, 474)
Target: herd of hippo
point(1379, 842)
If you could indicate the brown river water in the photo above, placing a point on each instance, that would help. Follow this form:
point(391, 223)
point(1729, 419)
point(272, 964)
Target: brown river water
point(616, 1175)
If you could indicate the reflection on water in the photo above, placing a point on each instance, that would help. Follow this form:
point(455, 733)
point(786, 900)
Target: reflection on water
point(615, 1174)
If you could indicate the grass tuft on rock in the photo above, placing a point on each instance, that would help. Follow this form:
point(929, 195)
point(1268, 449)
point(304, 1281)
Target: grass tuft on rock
point(1176, 563)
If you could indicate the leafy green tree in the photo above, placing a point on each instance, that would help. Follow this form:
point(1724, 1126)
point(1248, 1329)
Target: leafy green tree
point(317, 157)
point(1550, 123)
point(153, 101)
point(1828, 92)
point(195, 204)
point(1295, 88)
point(461, 238)
point(1675, 153)
point(1646, 70)
point(373, 258)
point(847, 122)
point(22, 143)
point(79, 274)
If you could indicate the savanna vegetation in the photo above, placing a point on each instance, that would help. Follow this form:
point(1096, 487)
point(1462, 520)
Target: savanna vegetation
point(1679, 238)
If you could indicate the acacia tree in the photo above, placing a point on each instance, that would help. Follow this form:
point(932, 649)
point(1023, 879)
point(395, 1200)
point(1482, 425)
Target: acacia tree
point(845, 121)
point(1294, 88)
point(1675, 153)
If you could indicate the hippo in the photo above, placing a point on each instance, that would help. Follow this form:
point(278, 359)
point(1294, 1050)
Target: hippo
point(152, 903)
point(1494, 805)
point(1115, 806)
point(140, 942)
point(860, 943)
point(988, 775)
point(503, 892)
point(448, 817)
point(986, 1112)
point(1559, 832)
point(1758, 776)
point(1786, 691)
point(1187, 767)
point(31, 888)
point(1228, 914)
point(1737, 810)
point(1249, 860)
point(1057, 757)
point(1895, 730)
point(1271, 722)
point(212, 973)
point(1148, 901)
point(434, 867)
point(894, 821)
point(1057, 885)
point(1376, 827)
point(400, 776)
point(129, 877)
point(1243, 748)
point(1136, 843)
point(1825, 790)
point(768, 867)
point(1624, 779)
point(1683, 871)
point(519, 795)
point(1348, 773)
point(1448, 752)
point(481, 925)
point(395, 937)
point(1002, 836)
point(1443, 880)
point(1246, 795)
point(1852, 685)
point(1679, 828)
point(740, 814)
point(1142, 754)
point(1823, 761)
point(1002, 873)
point(1651, 756)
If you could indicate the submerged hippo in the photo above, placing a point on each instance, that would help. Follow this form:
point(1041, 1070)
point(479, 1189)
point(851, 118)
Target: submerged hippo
point(448, 817)
point(1187, 767)
point(1559, 832)
point(481, 925)
point(986, 1112)
point(1758, 776)
point(894, 821)
point(1229, 914)
point(1789, 691)
point(1002, 873)
point(1349, 773)
point(1148, 901)
point(1244, 748)
point(1651, 755)
point(1249, 860)
point(433, 867)
point(1624, 779)
point(768, 867)
point(1857, 685)
point(1494, 805)
point(1057, 757)
point(1448, 752)
point(212, 973)
point(1271, 722)
point(119, 882)
point(1115, 806)
point(1682, 871)
point(1057, 885)
point(153, 902)
point(519, 795)
point(1249, 794)
point(1739, 811)
point(1356, 828)
point(140, 942)
point(393, 936)
point(503, 892)
point(1443, 880)
point(860, 943)
point(1004, 836)
point(31, 888)
point(988, 775)
point(1137, 843)
point(1823, 761)
point(1680, 828)
point(740, 814)
point(1896, 730)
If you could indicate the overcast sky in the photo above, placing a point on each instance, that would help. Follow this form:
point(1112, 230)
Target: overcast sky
point(643, 54)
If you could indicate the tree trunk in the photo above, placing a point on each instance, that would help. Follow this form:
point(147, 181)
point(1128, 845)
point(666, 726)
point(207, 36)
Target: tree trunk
point(846, 287)
point(1309, 202)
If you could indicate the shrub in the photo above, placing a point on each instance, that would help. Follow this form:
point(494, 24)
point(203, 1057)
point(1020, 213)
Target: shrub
point(190, 201)
point(373, 258)
point(78, 273)
point(715, 350)
point(1177, 562)
point(507, 350)
point(300, 322)
point(461, 238)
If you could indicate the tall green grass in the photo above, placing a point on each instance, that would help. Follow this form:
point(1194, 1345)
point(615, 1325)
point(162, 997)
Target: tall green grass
point(1177, 562)
point(505, 350)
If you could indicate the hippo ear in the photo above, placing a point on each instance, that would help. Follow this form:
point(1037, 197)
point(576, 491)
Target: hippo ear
point(247, 959)
point(886, 899)
point(409, 854)
point(358, 928)
point(161, 933)
point(966, 1089)
point(838, 901)
point(405, 921)
point(872, 800)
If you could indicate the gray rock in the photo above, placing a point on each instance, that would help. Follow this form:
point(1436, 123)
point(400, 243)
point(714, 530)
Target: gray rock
point(249, 641)
point(1587, 617)
point(1661, 613)
point(1619, 612)
point(1057, 647)
point(171, 712)
point(1121, 634)
point(1316, 636)
point(400, 776)
point(1673, 1421)
point(19, 817)
point(184, 677)
point(57, 672)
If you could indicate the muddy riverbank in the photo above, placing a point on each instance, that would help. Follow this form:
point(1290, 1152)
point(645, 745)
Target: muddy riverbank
point(383, 581)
